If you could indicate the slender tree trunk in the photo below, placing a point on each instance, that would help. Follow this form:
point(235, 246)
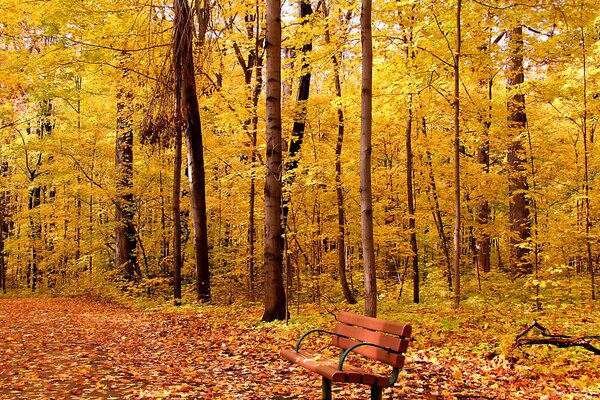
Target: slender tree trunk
point(125, 235)
point(176, 199)
point(411, 203)
point(35, 234)
point(2, 230)
point(586, 176)
point(437, 213)
point(297, 132)
point(457, 211)
point(339, 190)
point(252, 67)
point(366, 193)
point(300, 120)
point(274, 300)
point(482, 208)
point(183, 54)
point(520, 225)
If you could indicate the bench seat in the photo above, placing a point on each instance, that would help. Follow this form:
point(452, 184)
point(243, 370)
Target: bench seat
point(328, 368)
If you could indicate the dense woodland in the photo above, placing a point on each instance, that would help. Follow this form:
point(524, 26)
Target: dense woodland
point(132, 129)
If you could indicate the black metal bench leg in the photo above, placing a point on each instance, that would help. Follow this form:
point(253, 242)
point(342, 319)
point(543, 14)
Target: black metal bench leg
point(376, 392)
point(326, 385)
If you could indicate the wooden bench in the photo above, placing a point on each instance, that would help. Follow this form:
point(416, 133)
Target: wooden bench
point(375, 339)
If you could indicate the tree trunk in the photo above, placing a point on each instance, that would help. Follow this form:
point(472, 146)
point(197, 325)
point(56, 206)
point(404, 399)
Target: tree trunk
point(457, 211)
point(2, 231)
point(274, 300)
point(176, 199)
point(183, 54)
point(586, 176)
point(339, 190)
point(517, 172)
point(437, 213)
point(366, 193)
point(252, 67)
point(482, 208)
point(300, 113)
point(35, 234)
point(125, 236)
point(411, 204)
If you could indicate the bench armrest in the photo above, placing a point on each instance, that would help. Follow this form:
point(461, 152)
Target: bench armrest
point(346, 352)
point(297, 347)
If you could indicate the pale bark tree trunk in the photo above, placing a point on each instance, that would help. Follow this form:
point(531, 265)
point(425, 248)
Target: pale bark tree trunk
point(520, 224)
point(457, 205)
point(366, 193)
point(125, 236)
point(274, 300)
point(339, 190)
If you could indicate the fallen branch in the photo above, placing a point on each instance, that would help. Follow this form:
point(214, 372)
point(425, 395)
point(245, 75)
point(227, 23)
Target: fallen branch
point(560, 341)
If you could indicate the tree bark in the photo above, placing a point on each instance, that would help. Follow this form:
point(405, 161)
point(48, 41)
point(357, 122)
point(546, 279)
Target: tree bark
point(457, 205)
point(437, 213)
point(520, 225)
point(411, 204)
point(586, 176)
point(339, 190)
point(2, 231)
point(482, 208)
point(125, 235)
point(183, 53)
point(176, 198)
point(366, 193)
point(274, 300)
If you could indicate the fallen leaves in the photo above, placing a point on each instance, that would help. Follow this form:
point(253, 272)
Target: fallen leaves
point(75, 348)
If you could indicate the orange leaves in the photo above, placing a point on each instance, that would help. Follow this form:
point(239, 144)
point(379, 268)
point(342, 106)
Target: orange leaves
point(73, 348)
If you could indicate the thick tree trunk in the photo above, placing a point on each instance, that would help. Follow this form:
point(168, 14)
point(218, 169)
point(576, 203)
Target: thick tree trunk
point(457, 205)
point(274, 300)
point(366, 193)
point(520, 224)
point(125, 235)
point(193, 131)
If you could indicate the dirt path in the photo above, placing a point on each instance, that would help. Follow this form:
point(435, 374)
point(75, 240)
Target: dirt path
point(78, 349)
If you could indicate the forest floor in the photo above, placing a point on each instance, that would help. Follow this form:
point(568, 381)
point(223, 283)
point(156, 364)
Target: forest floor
point(82, 349)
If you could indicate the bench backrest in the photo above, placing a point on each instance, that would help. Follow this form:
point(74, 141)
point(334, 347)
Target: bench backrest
point(392, 336)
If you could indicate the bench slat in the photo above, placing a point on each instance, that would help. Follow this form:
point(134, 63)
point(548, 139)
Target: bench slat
point(393, 343)
point(390, 327)
point(394, 359)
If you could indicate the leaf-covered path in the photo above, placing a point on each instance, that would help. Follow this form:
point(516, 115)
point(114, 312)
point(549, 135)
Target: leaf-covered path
point(74, 348)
